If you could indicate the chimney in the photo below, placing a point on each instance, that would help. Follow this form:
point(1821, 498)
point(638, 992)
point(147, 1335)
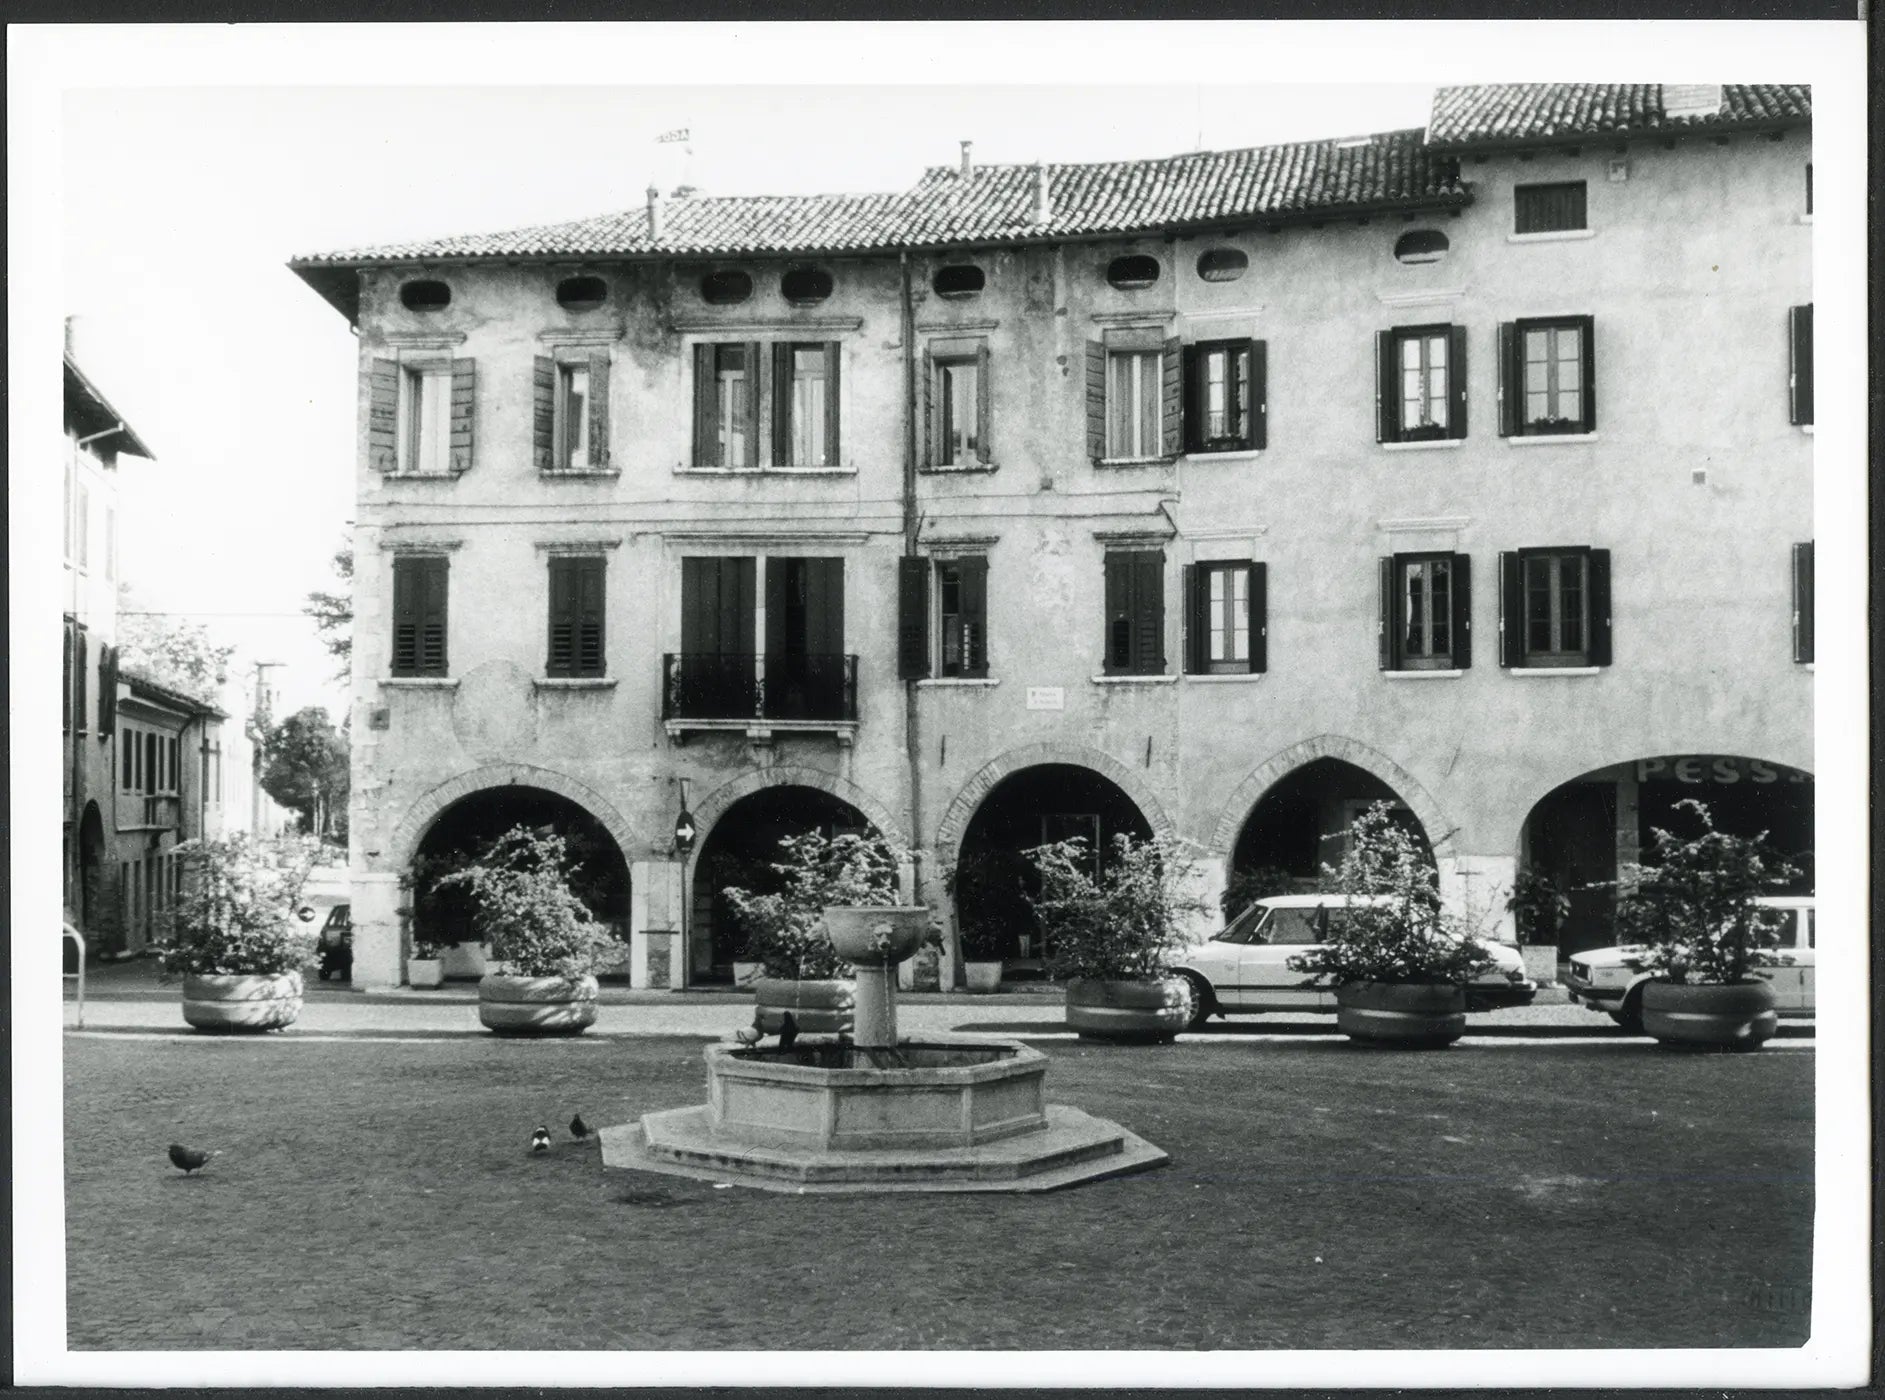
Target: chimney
point(1691, 99)
point(968, 161)
point(1043, 205)
point(654, 214)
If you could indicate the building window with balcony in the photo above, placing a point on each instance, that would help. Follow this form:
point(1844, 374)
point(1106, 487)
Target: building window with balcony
point(1420, 384)
point(419, 614)
point(577, 589)
point(1426, 612)
point(1226, 623)
point(1547, 377)
point(726, 669)
point(958, 618)
point(1554, 607)
point(957, 386)
point(1135, 399)
point(1224, 396)
point(1135, 613)
point(571, 413)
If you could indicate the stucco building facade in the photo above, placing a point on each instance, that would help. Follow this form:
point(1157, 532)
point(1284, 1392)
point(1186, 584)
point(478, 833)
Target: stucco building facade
point(1468, 468)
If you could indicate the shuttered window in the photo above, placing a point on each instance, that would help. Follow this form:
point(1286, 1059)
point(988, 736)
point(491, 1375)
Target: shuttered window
point(1554, 208)
point(1226, 621)
point(419, 615)
point(1554, 607)
point(1547, 377)
point(1426, 612)
point(577, 586)
point(726, 405)
point(962, 617)
point(1800, 364)
point(1803, 602)
point(81, 672)
point(571, 413)
point(107, 690)
point(805, 405)
point(1224, 396)
point(1135, 613)
point(1420, 384)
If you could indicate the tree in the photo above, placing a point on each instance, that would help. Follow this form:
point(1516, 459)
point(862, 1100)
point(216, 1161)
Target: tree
point(304, 767)
point(333, 612)
point(179, 656)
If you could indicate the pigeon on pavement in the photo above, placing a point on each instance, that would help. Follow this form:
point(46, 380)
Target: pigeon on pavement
point(577, 1128)
point(540, 1140)
point(187, 1159)
point(788, 1031)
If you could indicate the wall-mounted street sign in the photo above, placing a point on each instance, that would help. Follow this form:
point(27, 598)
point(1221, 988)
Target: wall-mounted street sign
point(1047, 697)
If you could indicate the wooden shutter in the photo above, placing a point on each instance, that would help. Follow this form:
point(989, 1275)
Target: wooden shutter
point(108, 688)
point(1259, 617)
point(81, 679)
point(1193, 398)
point(1148, 608)
point(928, 452)
point(406, 600)
point(543, 413)
point(1803, 602)
point(1599, 581)
point(1587, 343)
point(1511, 608)
point(1172, 399)
point(65, 682)
point(717, 606)
point(599, 409)
point(383, 416)
point(1118, 633)
point(577, 600)
point(706, 411)
point(464, 412)
point(1387, 399)
point(1259, 394)
point(1389, 620)
point(781, 406)
point(562, 651)
point(1193, 602)
point(1095, 399)
point(1800, 364)
point(432, 619)
point(1456, 381)
point(1462, 619)
point(824, 606)
point(833, 445)
point(972, 600)
point(1511, 383)
point(984, 404)
point(912, 617)
point(755, 410)
point(591, 613)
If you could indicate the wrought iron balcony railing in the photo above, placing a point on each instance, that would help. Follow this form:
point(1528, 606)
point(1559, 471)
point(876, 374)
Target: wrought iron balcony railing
point(707, 685)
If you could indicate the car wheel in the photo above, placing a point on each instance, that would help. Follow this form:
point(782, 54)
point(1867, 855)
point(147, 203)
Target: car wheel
point(1203, 1003)
point(1630, 1017)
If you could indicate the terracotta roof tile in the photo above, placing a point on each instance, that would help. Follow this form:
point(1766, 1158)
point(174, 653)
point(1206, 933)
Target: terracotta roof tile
point(1509, 114)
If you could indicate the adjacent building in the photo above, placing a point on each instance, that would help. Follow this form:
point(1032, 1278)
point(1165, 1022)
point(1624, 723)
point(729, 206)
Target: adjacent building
point(1467, 468)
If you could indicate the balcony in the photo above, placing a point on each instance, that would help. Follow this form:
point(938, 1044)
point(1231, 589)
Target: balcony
point(761, 695)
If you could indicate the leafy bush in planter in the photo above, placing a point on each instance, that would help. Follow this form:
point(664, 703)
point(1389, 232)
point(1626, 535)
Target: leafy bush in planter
point(786, 930)
point(235, 908)
point(1123, 927)
point(989, 887)
point(1539, 905)
point(1393, 929)
point(524, 909)
point(1693, 904)
point(1249, 885)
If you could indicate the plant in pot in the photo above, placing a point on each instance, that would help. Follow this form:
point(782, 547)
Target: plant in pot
point(1538, 905)
point(233, 934)
point(988, 886)
point(542, 938)
point(1111, 938)
point(426, 966)
point(1692, 907)
point(803, 973)
point(1398, 962)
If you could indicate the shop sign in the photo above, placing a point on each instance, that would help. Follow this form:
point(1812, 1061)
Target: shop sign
point(1697, 769)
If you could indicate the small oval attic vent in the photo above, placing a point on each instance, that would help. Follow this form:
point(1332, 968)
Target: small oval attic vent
point(964, 280)
point(1132, 272)
point(727, 287)
point(1222, 264)
point(1422, 245)
point(425, 295)
point(805, 286)
point(581, 293)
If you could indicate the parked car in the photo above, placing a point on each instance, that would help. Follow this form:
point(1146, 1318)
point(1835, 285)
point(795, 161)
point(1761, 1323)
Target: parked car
point(1610, 980)
point(335, 944)
point(1246, 968)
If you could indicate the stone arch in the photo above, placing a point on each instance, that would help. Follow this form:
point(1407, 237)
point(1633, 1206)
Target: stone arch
point(710, 808)
point(955, 819)
point(425, 811)
point(1236, 811)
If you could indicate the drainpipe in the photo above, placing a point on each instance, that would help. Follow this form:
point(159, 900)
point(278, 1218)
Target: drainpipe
point(912, 745)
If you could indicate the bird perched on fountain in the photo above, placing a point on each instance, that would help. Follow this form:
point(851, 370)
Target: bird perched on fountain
point(540, 1140)
point(577, 1128)
point(749, 1036)
point(187, 1159)
point(788, 1030)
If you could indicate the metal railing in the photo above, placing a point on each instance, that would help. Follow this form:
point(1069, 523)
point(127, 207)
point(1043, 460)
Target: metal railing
point(809, 686)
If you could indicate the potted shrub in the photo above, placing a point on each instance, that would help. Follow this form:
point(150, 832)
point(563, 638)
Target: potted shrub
point(801, 971)
point(1111, 939)
point(426, 966)
point(1692, 907)
point(990, 896)
point(1398, 963)
point(233, 933)
point(1538, 905)
point(541, 935)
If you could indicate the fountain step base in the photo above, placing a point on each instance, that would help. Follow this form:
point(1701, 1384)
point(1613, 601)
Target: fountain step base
point(1072, 1148)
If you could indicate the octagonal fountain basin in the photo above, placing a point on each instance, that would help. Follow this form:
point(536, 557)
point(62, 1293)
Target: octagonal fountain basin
point(944, 1113)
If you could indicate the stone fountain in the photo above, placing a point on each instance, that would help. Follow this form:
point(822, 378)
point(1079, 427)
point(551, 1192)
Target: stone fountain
point(875, 1112)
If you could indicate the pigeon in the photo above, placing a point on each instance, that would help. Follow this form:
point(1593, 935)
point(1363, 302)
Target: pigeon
point(540, 1140)
point(577, 1128)
point(749, 1035)
point(788, 1031)
point(187, 1159)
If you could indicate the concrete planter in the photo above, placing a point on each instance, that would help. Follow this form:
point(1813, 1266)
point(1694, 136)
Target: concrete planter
point(982, 976)
point(536, 1005)
point(747, 973)
point(1541, 962)
point(818, 1006)
point(425, 972)
point(465, 960)
point(1408, 1016)
point(242, 1002)
point(1738, 1017)
point(1134, 1011)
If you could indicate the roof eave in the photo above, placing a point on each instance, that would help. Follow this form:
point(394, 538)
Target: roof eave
point(1679, 131)
point(114, 420)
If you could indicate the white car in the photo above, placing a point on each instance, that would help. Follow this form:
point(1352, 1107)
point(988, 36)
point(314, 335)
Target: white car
point(1246, 967)
point(1611, 979)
